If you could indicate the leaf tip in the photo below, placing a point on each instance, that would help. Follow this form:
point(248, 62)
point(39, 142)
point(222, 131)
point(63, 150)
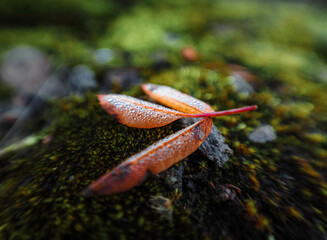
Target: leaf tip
point(101, 98)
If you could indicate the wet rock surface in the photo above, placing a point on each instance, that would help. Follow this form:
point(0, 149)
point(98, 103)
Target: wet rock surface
point(174, 177)
point(214, 147)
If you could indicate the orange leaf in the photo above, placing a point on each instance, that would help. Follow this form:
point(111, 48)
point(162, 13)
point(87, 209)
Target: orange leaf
point(136, 113)
point(175, 99)
point(152, 160)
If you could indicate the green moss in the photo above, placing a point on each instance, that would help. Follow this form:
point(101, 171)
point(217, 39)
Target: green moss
point(263, 165)
point(85, 142)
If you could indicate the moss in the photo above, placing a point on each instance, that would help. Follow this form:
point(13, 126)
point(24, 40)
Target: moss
point(85, 142)
point(259, 164)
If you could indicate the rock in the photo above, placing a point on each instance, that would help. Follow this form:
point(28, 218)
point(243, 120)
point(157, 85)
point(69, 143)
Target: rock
point(81, 79)
point(25, 69)
point(214, 147)
point(103, 55)
point(241, 86)
point(174, 177)
point(119, 79)
point(262, 134)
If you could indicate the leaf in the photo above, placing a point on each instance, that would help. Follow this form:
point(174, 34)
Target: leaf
point(175, 99)
point(164, 153)
point(152, 160)
point(136, 113)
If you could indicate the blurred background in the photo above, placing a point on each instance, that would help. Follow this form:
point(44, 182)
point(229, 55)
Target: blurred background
point(50, 49)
